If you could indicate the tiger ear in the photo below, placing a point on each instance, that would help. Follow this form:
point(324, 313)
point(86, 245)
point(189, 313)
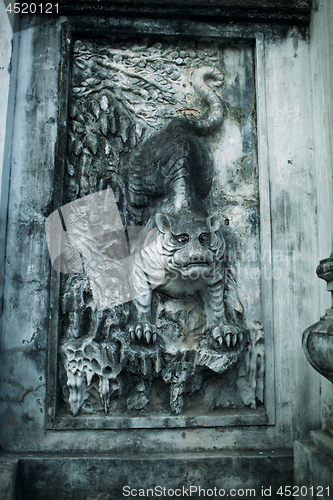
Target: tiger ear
point(163, 223)
point(215, 221)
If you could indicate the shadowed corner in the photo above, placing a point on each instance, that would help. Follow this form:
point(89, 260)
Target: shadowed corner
point(23, 16)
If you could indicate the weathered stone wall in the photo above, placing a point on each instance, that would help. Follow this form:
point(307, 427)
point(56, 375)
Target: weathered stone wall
point(286, 138)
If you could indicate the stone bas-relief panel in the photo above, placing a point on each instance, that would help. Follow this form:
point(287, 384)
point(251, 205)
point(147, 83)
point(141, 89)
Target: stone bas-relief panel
point(166, 130)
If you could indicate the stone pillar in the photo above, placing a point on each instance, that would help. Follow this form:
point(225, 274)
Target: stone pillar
point(5, 55)
point(7, 69)
point(313, 459)
point(8, 46)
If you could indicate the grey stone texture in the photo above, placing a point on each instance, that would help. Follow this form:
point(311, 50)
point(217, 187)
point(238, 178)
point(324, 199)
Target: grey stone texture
point(8, 468)
point(104, 478)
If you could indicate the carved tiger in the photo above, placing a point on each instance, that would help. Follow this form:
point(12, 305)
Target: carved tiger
point(183, 258)
point(169, 181)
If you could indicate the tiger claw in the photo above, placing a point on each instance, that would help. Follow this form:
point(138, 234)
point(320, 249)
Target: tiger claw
point(147, 333)
point(228, 334)
point(138, 331)
point(132, 333)
point(228, 339)
point(144, 331)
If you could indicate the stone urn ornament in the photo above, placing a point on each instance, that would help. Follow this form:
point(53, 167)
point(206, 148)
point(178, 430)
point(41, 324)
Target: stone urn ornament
point(318, 338)
point(313, 459)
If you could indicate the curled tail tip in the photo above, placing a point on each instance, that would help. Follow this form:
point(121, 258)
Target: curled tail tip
point(217, 111)
point(199, 75)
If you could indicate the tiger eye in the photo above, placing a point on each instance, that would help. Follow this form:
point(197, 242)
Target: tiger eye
point(182, 239)
point(204, 238)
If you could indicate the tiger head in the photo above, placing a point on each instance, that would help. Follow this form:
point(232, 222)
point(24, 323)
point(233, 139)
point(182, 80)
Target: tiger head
point(193, 244)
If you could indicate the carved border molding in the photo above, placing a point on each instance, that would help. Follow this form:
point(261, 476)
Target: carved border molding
point(233, 417)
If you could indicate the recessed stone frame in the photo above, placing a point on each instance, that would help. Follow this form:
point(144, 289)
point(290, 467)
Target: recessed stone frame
point(239, 406)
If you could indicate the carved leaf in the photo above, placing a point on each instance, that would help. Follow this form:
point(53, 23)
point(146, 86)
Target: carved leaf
point(124, 128)
point(80, 118)
point(104, 103)
point(86, 161)
point(91, 141)
point(78, 147)
point(80, 63)
point(104, 124)
point(73, 111)
point(91, 82)
point(95, 108)
point(77, 127)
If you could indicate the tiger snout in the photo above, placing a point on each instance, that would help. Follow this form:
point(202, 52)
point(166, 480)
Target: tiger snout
point(193, 255)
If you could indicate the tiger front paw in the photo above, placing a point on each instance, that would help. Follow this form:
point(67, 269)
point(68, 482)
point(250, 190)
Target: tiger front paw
point(143, 331)
point(228, 334)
